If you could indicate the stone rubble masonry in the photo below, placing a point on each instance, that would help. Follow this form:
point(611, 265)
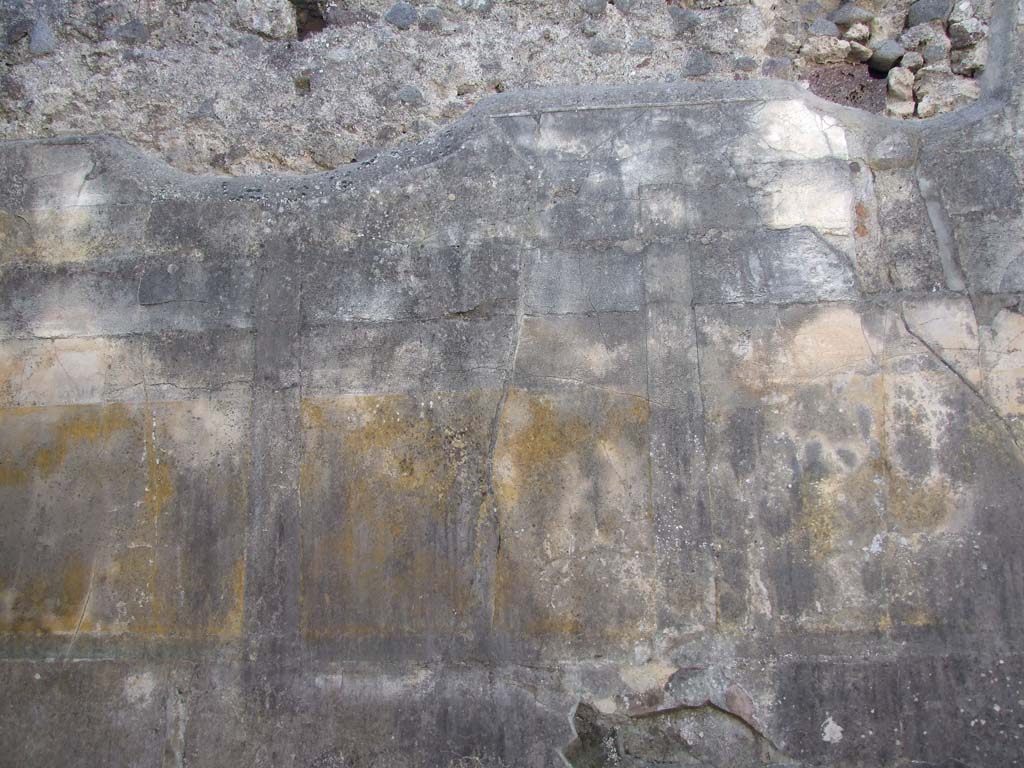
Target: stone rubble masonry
point(642, 425)
point(241, 87)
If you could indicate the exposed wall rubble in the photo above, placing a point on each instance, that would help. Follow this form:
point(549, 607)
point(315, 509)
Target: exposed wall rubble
point(930, 52)
point(648, 425)
point(243, 86)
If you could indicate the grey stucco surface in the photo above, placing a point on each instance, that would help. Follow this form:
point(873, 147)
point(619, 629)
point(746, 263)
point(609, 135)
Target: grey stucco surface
point(661, 425)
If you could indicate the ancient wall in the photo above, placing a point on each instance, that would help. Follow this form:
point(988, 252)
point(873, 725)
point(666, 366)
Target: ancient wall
point(644, 425)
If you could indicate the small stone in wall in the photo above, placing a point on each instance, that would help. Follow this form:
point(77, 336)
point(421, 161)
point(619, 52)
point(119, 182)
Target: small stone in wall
point(970, 62)
point(912, 61)
point(963, 9)
point(924, 11)
point(270, 18)
point(894, 151)
point(899, 98)
point(603, 46)
point(409, 94)
point(900, 83)
point(594, 7)
point(859, 52)
point(684, 21)
point(430, 19)
point(823, 28)
point(831, 731)
point(967, 32)
point(401, 16)
point(18, 29)
point(929, 40)
point(477, 6)
point(744, 63)
point(937, 51)
point(915, 38)
point(858, 33)
point(642, 47)
point(848, 14)
point(898, 108)
point(778, 66)
point(697, 64)
point(826, 50)
point(40, 40)
point(939, 92)
point(133, 33)
point(885, 56)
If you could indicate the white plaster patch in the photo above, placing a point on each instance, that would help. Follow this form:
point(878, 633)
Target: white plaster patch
point(60, 178)
point(605, 706)
point(1003, 362)
point(790, 130)
point(831, 731)
point(555, 136)
point(653, 675)
point(760, 600)
point(138, 689)
point(66, 371)
point(949, 327)
point(809, 196)
point(875, 547)
point(394, 687)
point(831, 343)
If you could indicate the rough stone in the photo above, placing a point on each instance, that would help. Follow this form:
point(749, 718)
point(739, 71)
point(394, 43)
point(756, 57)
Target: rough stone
point(410, 94)
point(602, 46)
point(745, 63)
point(899, 107)
point(430, 19)
point(886, 55)
point(859, 52)
point(857, 33)
point(900, 82)
point(697, 63)
point(938, 92)
point(133, 32)
point(826, 50)
point(917, 37)
point(270, 18)
point(896, 150)
point(18, 29)
point(823, 28)
point(937, 51)
point(779, 67)
point(912, 61)
point(41, 40)
point(962, 10)
point(684, 21)
point(401, 16)
point(348, 17)
point(849, 14)
point(967, 32)
point(642, 47)
point(476, 6)
point(924, 11)
point(970, 62)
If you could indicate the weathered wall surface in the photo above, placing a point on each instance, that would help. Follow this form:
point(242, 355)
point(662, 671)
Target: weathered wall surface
point(660, 425)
